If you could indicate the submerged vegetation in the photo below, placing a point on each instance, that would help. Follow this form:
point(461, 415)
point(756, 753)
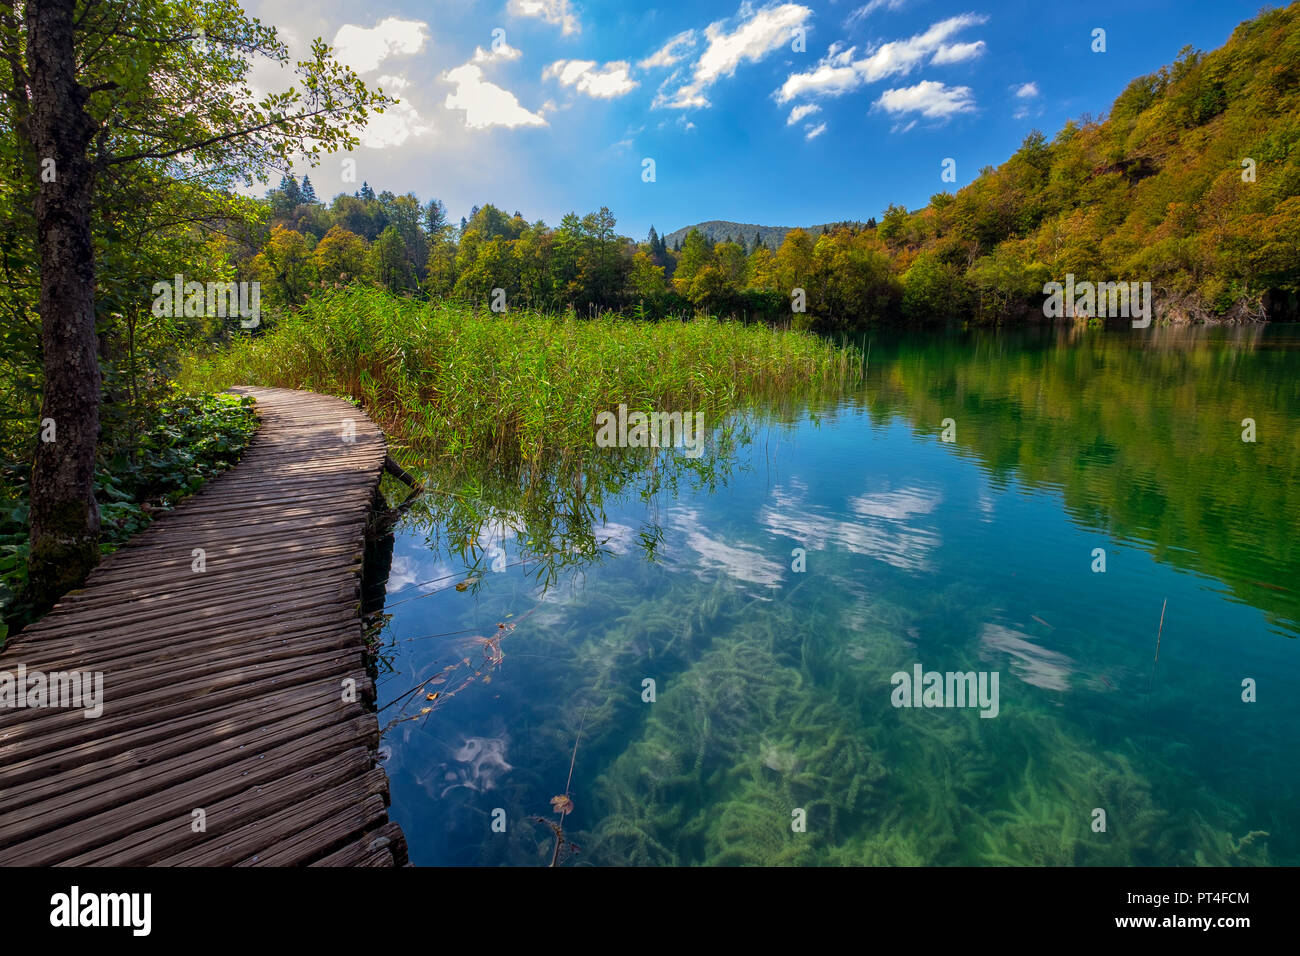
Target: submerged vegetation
point(771, 704)
point(773, 686)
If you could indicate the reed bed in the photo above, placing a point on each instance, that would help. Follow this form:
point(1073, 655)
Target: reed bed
point(519, 389)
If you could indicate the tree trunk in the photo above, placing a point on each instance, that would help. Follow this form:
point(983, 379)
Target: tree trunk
point(64, 515)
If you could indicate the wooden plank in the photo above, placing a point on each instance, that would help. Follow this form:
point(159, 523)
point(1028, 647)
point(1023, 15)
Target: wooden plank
point(223, 688)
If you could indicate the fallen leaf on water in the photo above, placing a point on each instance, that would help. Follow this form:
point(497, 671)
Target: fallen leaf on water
point(462, 585)
point(433, 696)
point(563, 804)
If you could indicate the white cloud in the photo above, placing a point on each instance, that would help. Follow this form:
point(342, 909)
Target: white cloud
point(861, 13)
point(671, 52)
point(902, 56)
point(502, 52)
point(957, 52)
point(364, 48)
point(613, 79)
point(756, 35)
point(397, 123)
point(552, 11)
point(815, 131)
point(568, 72)
point(799, 112)
point(931, 99)
point(393, 127)
point(485, 104)
point(835, 74)
point(1026, 91)
point(838, 72)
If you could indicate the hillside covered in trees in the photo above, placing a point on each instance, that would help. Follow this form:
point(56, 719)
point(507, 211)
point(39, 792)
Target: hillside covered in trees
point(752, 236)
point(1192, 183)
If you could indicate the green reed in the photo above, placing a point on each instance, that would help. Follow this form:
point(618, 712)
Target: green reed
point(458, 385)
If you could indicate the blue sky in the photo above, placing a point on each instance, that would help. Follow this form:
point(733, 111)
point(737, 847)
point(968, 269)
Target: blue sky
point(778, 113)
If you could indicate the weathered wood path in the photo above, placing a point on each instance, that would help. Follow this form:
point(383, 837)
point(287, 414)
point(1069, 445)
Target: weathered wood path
point(228, 734)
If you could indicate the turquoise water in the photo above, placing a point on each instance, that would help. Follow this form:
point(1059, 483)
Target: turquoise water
point(773, 699)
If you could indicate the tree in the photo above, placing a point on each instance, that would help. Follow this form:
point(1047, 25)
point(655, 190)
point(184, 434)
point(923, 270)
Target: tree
point(367, 194)
point(603, 267)
point(64, 514)
point(484, 265)
point(367, 218)
point(340, 257)
point(695, 255)
point(730, 260)
point(892, 224)
point(932, 290)
point(760, 269)
point(388, 263)
point(308, 191)
point(284, 267)
point(289, 188)
point(435, 218)
point(794, 259)
point(404, 213)
point(647, 279)
point(122, 93)
point(440, 268)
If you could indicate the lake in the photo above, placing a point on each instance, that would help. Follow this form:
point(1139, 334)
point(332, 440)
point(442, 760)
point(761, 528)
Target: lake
point(732, 664)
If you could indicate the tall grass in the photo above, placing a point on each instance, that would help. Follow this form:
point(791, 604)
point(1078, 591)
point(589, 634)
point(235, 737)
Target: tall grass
point(519, 389)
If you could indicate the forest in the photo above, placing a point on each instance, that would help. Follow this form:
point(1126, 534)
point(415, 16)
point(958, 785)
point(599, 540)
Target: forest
point(1191, 183)
point(144, 164)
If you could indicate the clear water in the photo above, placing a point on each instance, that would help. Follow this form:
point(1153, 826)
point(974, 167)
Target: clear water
point(773, 686)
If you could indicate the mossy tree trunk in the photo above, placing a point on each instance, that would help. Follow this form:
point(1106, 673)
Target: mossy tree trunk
point(64, 516)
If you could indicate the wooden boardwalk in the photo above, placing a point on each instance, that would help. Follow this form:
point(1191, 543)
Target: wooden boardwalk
point(225, 689)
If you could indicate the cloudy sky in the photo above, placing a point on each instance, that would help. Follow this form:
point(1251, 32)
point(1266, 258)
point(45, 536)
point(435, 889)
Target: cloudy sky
point(779, 113)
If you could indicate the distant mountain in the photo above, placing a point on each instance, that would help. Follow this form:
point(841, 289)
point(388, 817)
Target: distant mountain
point(720, 230)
